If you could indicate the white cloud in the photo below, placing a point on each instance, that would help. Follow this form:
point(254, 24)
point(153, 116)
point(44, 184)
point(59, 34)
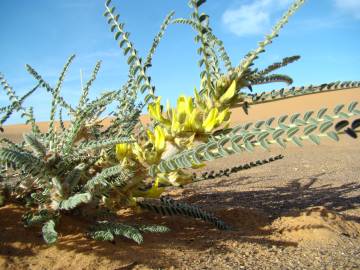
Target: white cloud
point(253, 18)
point(349, 6)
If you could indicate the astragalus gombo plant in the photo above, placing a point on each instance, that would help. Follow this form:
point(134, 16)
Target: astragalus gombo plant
point(83, 166)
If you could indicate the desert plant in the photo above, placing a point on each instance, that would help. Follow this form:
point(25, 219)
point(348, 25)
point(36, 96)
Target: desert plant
point(83, 166)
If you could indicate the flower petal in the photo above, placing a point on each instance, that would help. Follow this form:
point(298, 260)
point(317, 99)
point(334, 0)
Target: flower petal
point(159, 139)
point(230, 92)
point(211, 120)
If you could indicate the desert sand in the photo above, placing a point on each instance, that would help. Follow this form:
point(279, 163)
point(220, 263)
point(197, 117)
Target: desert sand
point(299, 212)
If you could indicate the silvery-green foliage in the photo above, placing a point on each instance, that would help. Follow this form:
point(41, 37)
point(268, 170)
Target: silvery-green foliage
point(48, 230)
point(107, 231)
point(168, 207)
point(55, 166)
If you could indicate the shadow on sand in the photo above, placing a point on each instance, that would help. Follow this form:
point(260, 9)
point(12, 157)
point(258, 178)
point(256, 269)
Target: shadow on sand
point(248, 212)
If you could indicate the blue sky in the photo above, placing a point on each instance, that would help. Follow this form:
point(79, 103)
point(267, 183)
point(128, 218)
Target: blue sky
point(44, 33)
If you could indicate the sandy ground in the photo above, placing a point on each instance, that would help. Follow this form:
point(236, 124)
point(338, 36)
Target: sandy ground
point(300, 212)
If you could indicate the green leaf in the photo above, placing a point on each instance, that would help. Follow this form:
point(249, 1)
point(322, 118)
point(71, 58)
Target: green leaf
point(300, 122)
point(343, 115)
point(294, 117)
point(122, 42)
point(148, 97)
point(281, 142)
point(264, 144)
point(282, 119)
point(48, 231)
point(338, 108)
point(248, 137)
point(352, 106)
point(31, 219)
point(292, 131)
point(131, 233)
point(117, 35)
point(186, 161)
point(278, 133)
point(249, 146)
point(341, 125)
point(297, 141)
point(321, 113)
point(75, 200)
point(180, 163)
point(234, 143)
point(259, 124)
point(102, 235)
point(269, 121)
point(153, 228)
point(131, 59)
point(203, 17)
point(262, 135)
point(200, 2)
point(333, 135)
point(170, 164)
point(309, 129)
point(325, 126)
point(355, 111)
point(312, 120)
point(314, 138)
point(355, 124)
point(247, 125)
point(307, 115)
point(152, 169)
point(163, 168)
point(283, 126)
point(328, 118)
point(126, 50)
point(221, 146)
point(35, 144)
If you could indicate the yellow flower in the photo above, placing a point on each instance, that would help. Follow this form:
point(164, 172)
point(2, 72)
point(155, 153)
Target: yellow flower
point(122, 150)
point(185, 142)
point(168, 110)
point(154, 191)
point(229, 94)
point(181, 109)
point(175, 125)
point(138, 152)
point(223, 116)
point(151, 136)
point(199, 100)
point(159, 141)
point(157, 138)
point(177, 178)
point(195, 120)
point(211, 120)
point(154, 110)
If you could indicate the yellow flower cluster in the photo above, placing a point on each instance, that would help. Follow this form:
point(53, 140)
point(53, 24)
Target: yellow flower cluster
point(193, 116)
point(176, 128)
point(144, 154)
